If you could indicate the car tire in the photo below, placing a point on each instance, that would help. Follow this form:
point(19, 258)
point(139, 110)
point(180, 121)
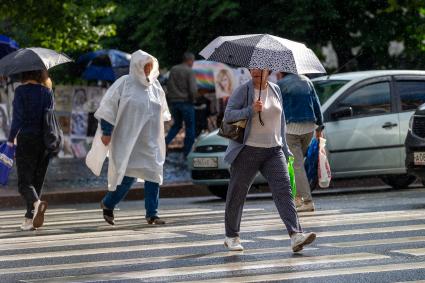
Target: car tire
point(398, 181)
point(423, 182)
point(219, 191)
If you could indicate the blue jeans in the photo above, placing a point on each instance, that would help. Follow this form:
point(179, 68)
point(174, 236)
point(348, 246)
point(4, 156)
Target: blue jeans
point(183, 111)
point(151, 195)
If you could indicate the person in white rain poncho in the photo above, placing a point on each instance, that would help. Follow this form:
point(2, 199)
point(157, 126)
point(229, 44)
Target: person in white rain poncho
point(132, 115)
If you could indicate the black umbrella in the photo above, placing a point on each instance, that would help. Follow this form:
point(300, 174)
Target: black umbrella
point(31, 59)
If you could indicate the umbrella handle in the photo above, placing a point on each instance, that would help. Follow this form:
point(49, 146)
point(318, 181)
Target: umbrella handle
point(259, 99)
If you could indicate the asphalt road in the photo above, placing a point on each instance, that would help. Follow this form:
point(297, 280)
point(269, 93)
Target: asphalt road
point(374, 236)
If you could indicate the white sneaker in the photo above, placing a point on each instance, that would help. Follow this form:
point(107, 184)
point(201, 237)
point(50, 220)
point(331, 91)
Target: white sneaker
point(299, 240)
point(27, 225)
point(233, 244)
point(306, 207)
point(39, 210)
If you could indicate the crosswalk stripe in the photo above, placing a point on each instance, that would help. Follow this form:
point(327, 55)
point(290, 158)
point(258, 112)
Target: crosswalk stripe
point(99, 219)
point(349, 232)
point(138, 261)
point(319, 273)
point(388, 241)
point(84, 241)
point(98, 251)
point(229, 267)
point(415, 252)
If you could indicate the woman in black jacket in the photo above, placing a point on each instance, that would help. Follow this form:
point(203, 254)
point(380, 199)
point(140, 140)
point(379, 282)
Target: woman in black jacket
point(31, 100)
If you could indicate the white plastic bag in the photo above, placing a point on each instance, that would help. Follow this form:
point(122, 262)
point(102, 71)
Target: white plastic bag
point(97, 154)
point(324, 170)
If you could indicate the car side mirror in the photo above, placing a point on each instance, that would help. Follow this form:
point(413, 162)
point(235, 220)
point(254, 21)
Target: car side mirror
point(342, 112)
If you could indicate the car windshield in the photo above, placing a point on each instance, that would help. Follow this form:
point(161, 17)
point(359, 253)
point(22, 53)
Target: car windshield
point(326, 88)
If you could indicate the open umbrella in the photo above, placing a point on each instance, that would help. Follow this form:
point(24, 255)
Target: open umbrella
point(7, 45)
point(263, 51)
point(105, 65)
point(31, 59)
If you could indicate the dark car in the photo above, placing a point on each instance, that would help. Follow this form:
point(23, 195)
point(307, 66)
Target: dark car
point(415, 144)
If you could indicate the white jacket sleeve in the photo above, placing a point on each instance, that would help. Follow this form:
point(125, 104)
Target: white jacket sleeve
point(108, 108)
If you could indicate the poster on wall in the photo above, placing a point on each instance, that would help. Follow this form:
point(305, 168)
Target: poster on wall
point(66, 151)
point(4, 123)
point(63, 98)
point(79, 125)
point(65, 122)
point(94, 96)
point(79, 99)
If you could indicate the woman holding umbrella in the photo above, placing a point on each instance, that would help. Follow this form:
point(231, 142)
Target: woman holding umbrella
point(263, 147)
point(31, 101)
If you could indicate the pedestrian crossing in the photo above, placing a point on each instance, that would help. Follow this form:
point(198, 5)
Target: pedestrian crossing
point(76, 245)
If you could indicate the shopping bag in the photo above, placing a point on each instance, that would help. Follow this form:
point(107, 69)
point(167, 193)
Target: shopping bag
point(311, 163)
point(324, 171)
point(97, 154)
point(292, 176)
point(7, 155)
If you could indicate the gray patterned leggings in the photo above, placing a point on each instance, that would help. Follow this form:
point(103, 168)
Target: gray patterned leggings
point(271, 163)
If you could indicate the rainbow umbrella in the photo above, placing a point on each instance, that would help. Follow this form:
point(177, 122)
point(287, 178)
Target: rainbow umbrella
point(204, 73)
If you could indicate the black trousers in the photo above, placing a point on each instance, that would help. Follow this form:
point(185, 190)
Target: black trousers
point(32, 161)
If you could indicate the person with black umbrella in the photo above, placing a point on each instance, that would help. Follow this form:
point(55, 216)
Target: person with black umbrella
point(32, 101)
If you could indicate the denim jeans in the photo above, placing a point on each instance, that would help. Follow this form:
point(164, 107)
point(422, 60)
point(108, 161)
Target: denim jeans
point(31, 162)
point(151, 195)
point(183, 111)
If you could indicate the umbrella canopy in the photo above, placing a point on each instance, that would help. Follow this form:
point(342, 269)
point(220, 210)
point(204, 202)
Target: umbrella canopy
point(31, 59)
point(263, 51)
point(7, 45)
point(105, 65)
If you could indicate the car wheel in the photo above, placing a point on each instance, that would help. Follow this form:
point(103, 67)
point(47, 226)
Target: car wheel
point(423, 182)
point(219, 191)
point(398, 181)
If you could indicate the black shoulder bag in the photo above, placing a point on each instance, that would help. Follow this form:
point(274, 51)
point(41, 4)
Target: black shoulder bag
point(52, 132)
point(234, 130)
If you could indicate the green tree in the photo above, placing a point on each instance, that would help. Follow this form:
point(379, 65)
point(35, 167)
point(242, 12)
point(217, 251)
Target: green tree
point(70, 26)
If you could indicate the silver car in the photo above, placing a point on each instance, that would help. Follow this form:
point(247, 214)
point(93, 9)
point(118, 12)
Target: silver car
point(366, 116)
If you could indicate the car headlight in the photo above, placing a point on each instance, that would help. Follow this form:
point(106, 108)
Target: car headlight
point(411, 122)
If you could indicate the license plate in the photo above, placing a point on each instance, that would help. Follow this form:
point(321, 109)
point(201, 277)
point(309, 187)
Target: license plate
point(419, 158)
point(205, 162)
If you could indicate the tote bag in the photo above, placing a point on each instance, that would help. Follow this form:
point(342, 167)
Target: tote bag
point(7, 154)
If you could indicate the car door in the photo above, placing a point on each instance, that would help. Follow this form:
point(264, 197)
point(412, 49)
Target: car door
point(410, 92)
point(362, 130)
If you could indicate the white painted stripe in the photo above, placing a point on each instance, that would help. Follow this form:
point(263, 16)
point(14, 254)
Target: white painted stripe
point(229, 267)
point(137, 261)
point(73, 211)
point(97, 251)
point(364, 231)
point(122, 239)
point(415, 252)
point(276, 224)
point(318, 273)
point(388, 241)
point(122, 219)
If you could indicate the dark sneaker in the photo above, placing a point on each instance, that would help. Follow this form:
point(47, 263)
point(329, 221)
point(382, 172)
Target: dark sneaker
point(108, 214)
point(155, 220)
point(39, 210)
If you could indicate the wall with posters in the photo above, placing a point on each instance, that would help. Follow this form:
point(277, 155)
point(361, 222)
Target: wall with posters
point(75, 107)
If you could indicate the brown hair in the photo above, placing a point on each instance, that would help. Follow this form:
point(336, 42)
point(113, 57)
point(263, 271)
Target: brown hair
point(39, 76)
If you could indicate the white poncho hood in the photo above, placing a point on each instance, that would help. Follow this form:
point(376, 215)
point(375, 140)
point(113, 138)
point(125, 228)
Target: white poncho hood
point(136, 106)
